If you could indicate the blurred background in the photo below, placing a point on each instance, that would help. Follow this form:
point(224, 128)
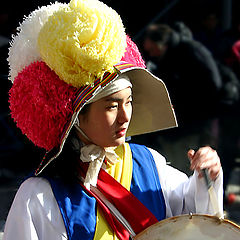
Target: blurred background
point(194, 46)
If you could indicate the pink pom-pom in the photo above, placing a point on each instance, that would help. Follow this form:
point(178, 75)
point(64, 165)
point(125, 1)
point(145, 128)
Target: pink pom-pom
point(41, 104)
point(132, 54)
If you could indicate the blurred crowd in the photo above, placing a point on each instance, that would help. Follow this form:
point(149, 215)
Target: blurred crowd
point(201, 69)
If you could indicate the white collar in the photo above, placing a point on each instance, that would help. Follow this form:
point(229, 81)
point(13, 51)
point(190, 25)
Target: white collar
point(95, 155)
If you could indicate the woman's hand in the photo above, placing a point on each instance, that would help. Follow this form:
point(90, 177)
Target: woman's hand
point(205, 157)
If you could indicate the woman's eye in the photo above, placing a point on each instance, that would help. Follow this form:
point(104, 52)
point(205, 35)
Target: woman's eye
point(129, 102)
point(112, 107)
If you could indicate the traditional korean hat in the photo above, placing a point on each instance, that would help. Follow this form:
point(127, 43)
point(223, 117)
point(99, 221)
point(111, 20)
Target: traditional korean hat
point(65, 54)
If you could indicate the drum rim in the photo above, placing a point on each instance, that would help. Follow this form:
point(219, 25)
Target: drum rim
point(190, 216)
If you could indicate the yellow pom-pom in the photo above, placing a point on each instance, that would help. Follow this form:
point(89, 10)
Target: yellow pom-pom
point(82, 41)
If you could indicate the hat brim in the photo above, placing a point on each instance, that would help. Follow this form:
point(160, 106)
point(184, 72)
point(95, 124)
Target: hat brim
point(152, 108)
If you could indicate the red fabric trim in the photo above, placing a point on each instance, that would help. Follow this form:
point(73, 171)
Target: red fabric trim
point(137, 215)
point(117, 227)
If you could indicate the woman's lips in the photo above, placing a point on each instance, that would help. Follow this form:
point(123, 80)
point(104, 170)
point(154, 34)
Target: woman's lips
point(121, 132)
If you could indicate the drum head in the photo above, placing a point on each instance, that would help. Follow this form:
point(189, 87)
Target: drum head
point(191, 227)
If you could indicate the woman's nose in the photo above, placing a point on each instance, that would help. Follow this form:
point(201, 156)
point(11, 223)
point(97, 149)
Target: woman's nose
point(124, 114)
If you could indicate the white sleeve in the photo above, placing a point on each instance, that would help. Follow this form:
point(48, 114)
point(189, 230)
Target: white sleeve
point(185, 195)
point(34, 214)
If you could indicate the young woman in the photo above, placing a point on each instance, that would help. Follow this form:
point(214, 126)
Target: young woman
point(91, 183)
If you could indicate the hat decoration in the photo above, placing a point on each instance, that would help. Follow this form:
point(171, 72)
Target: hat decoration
point(82, 42)
point(24, 48)
point(58, 51)
point(40, 103)
point(132, 54)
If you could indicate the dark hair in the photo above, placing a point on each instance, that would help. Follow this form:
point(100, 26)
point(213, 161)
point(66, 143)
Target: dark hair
point(65, 166)
point(85, 109)
point(160, 33)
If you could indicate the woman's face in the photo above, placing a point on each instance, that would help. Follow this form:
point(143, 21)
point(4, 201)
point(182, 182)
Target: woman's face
point(107, 120)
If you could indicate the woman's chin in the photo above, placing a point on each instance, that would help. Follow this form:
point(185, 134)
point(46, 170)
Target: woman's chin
point(116, 142)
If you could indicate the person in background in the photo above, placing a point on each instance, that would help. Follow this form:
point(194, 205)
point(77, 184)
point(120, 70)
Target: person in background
point(194, 82)
point(189, 71)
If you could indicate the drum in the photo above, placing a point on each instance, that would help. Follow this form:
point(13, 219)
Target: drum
point(191, 227)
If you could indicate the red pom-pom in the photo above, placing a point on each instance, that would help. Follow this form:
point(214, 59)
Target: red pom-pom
point(132, 54)
point(41, 104)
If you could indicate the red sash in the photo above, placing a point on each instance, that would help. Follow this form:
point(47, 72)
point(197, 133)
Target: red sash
point(137, 215)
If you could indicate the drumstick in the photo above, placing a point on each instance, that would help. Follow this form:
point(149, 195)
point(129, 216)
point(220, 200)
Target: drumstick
point(212, 194)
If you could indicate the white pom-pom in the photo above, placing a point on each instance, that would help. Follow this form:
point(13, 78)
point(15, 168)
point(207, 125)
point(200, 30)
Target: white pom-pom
point(24, 50)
